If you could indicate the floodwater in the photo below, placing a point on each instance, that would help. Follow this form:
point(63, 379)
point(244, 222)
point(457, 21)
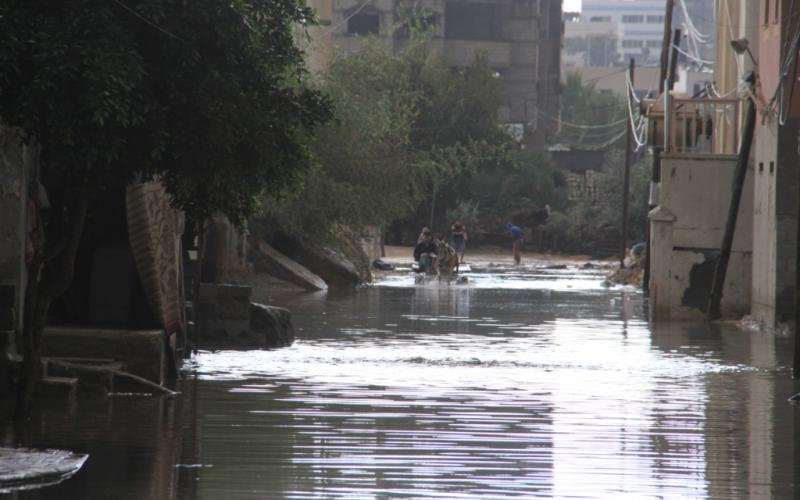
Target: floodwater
point(534, 384)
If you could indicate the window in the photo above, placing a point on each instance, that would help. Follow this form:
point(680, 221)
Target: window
point(419, 23)
point(472, 21)
point(632, 19)
point(363, 24)
point(632, 44)
point(655, 19)
point(653, 44)
point(600, 19)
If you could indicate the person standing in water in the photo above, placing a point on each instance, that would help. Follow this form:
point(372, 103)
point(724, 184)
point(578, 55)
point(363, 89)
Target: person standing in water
point(516, 241)
point(458, 240)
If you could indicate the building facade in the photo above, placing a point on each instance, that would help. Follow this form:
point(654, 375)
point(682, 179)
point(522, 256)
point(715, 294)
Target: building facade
point(521, 38)
point(640, 28)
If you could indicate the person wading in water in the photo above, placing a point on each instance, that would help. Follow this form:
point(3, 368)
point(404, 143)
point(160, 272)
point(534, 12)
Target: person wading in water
point(458, 240)
point(516, 241)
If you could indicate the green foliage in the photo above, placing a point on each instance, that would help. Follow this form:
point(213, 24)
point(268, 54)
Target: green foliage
point(208, 98)
point(587, 223)
point(403, 124)
point(466, 211)
point(591, 110)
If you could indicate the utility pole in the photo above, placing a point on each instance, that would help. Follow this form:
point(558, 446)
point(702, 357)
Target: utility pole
point(665, 45)
point(655, 176)
point(628, 153)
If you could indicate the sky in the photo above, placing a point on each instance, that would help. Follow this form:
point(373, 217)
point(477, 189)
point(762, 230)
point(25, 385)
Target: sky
point(571, 5)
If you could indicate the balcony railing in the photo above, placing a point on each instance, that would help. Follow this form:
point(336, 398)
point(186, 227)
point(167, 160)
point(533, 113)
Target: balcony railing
point(703, 126)
point(694, 126)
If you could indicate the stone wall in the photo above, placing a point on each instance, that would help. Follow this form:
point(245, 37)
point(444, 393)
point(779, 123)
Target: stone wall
point(227, 319)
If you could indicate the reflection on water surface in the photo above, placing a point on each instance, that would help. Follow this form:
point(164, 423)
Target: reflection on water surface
point(521, 386)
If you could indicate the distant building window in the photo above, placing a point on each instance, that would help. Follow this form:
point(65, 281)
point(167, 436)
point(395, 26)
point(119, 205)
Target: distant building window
point(632, 44)
point(655, 19)
point(600, 19)
point(426, 23)
point(632, 19)
point(364, 24)
point(472, 21)
point(653, 44)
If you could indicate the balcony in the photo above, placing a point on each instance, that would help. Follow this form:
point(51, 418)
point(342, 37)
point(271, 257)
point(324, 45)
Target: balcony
point(694, 127)
point(699, 141)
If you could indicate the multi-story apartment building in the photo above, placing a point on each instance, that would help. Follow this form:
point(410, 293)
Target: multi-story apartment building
point(640, 28)
point(522, 39)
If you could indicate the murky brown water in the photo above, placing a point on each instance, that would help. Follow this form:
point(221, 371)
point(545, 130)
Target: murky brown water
point(517, 386)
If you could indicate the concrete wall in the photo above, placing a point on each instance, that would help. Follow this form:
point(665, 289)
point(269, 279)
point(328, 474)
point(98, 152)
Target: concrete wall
point(687, 230)
point(777, 180)
point(13, 202)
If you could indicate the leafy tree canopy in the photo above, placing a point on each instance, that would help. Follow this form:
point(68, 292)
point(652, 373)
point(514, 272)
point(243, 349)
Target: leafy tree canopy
point(404, 121)
point(208, 97)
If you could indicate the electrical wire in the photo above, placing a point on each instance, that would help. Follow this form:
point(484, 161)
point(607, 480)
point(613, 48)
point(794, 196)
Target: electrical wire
point(631, 90)
point(352, 14)
point(690, 24)
point(642, 125)
point(151, 23)
point(694, 58)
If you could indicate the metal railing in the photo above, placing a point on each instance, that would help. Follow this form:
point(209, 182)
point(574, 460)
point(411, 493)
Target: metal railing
point(702, 126)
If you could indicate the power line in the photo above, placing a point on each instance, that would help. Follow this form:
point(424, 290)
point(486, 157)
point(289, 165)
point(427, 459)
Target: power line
point(352, 14)
point(690, 24)
point(154, 25)
point(693, 57)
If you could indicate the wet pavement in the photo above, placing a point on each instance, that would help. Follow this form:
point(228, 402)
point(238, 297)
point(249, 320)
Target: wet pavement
point(534, 383)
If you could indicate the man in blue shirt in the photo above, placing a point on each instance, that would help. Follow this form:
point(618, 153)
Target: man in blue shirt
point(516, 239)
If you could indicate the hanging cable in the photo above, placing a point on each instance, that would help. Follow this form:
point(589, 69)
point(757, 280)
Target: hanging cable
point(691, 25)
point(352, 14)
point(631, 90)
point(694, 58)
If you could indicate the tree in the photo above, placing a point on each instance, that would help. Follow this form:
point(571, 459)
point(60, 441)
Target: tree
point(588, 116)
point(404, 124)
point(208, 99)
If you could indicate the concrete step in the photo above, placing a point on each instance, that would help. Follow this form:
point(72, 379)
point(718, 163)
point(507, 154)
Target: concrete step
point(58, 387)
point(90, 382)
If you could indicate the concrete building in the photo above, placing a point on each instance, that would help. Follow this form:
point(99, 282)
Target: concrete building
point(776, 158)
point(612, 80)
point(762, 277)
point(699, 153)
point(522, 39)
point(640, 26)
point(580, 167)
point(589, 44)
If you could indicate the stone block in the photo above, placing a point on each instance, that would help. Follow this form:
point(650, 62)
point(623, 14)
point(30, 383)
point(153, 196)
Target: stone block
point(275, 263)
point(240, 292)
point(143, 352)
point(274, 324)
point(331, 265)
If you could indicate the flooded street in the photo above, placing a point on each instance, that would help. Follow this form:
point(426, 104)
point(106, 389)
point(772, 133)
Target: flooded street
point(522, 385)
